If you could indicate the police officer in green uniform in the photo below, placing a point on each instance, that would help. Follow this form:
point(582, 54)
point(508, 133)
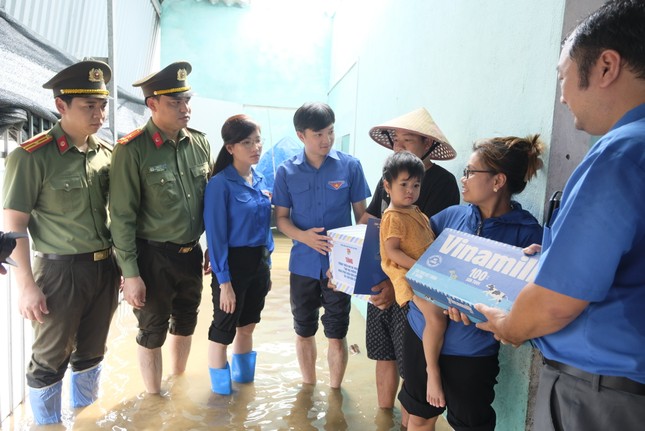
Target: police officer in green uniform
point(156, 206)
point(56, 186)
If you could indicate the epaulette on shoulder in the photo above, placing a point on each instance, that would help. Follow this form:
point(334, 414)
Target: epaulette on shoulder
point(191, 130)
point(37, 141)
point(130, 136)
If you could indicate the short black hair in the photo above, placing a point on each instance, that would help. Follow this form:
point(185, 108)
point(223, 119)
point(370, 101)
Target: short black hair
point(403, 161)
point(315, 116)
point(67, 98)
point(618, 25)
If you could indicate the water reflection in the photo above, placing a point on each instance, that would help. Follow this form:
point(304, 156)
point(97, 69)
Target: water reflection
point(385, 420)
point(301, 409)
point(335, 418)
point(277, 400)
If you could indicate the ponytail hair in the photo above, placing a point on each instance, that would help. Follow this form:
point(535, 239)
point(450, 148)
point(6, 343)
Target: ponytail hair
point(517, 158)
point(235, 129)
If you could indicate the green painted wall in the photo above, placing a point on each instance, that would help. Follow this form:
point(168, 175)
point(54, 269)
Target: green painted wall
point(270, 57)
point(275, 52)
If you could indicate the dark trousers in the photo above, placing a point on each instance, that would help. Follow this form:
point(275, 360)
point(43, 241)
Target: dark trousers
point(307, 295)
point(81, 298)
point(567, 403)
point(468, 384)
point(173, 293)
point(250, 278)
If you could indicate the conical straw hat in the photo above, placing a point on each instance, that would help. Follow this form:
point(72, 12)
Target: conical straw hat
point(421, 123)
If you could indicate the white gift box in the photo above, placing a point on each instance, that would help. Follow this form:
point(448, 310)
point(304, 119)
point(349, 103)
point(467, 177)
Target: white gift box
point(355, 260)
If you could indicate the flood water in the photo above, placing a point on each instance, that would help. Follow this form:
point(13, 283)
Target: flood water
point(277, 400)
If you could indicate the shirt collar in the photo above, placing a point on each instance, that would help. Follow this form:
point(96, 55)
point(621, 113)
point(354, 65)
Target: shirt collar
point(630, 116)
point(300, 157)
point(64, 143)
point(158, 137)
point(231, 174)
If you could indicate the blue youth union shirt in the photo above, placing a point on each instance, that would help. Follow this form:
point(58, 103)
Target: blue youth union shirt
point(318, 198)
point(236, 214)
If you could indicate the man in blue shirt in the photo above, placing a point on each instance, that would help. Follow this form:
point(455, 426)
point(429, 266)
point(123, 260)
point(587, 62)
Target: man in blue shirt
point(313, 192)
point(585, 308)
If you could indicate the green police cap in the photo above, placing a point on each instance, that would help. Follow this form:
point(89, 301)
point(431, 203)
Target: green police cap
point(84, 79)
point(169, 81)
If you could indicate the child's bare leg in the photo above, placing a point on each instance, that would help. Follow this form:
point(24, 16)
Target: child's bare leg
point(433, 334)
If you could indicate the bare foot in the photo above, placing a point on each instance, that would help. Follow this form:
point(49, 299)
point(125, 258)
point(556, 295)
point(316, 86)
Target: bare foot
point(434, 390)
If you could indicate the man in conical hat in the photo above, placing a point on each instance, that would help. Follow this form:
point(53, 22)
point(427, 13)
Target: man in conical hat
point(416, 132)
point(419, 123)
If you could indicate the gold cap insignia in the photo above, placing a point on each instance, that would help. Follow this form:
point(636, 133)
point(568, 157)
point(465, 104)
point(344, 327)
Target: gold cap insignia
point(96, 75)
point(182, 74)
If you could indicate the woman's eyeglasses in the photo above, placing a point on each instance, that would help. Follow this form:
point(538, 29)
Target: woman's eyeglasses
point(468, 171)
point(250, 143)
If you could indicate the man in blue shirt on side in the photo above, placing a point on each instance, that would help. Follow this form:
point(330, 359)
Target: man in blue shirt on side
point(315, 191)
point(585, 308)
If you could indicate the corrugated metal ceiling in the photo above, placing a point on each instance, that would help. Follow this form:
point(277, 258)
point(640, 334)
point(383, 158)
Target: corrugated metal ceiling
point(239, 3)
point(80, 28)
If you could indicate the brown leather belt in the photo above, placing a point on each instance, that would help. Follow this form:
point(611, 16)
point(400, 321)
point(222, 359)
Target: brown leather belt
point(95, 256)
point(611, 382)
point(171, 246)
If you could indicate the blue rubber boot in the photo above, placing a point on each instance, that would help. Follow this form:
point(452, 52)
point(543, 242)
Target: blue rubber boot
point(85, 386)
point(46, 403)
point(243, 367)
point(221, 380)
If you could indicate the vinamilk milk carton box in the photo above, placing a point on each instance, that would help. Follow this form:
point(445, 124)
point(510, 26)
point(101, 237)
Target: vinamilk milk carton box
point(460, 270)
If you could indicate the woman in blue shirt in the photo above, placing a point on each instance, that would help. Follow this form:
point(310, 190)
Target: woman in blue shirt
point(237, 215)
point(497, 169)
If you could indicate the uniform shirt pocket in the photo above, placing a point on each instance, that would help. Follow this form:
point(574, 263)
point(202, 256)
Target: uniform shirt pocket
point(243, 198)
point(162, 186)
point(66, 193)
point(338, 190)
point(337, 185)
point(302, 197)
point(200, 177)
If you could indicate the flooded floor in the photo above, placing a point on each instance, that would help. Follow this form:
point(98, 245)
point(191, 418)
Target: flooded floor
point(275, 401)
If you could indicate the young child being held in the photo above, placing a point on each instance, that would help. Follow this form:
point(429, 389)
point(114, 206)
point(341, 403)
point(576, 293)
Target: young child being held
point(405, 234)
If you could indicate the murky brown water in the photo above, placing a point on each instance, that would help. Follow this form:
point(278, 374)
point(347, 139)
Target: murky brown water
point(275, 401)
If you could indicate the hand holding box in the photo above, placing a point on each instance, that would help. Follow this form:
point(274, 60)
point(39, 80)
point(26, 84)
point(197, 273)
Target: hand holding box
point(460, 270)
point(355, 260)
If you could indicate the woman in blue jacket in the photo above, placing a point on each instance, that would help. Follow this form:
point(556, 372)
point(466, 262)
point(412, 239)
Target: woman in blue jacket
point(497, 169)
point(237, 215)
